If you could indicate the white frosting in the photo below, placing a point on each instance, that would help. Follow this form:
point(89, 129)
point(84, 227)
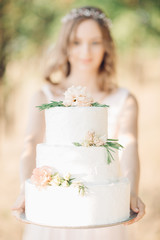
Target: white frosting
point(108, 197)
point(84, 163)
point(65, 125)
point(64, 206)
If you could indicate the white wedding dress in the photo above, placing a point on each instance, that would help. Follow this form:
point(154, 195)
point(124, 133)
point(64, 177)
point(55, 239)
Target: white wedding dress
point(33, 232)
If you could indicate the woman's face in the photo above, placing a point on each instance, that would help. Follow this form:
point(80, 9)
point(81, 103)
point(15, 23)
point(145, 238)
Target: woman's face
point(86, 51)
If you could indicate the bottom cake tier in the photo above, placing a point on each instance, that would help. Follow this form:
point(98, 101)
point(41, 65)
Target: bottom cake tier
point(103, 203)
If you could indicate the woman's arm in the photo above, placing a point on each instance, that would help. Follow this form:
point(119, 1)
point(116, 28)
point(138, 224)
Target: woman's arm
point(34, 135)
point(129, 159)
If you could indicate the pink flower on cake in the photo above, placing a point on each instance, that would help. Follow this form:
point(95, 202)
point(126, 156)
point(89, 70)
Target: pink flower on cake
point(77, 96)
point(41, 176)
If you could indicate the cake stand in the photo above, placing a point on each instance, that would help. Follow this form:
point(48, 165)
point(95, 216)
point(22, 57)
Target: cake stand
point(22, 217)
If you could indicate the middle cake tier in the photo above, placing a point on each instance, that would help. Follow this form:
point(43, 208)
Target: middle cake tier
point(84, 163)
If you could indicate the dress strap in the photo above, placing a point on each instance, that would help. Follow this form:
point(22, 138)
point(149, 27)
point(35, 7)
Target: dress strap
point(116, 102)
point(47, 92)
point(122, 96)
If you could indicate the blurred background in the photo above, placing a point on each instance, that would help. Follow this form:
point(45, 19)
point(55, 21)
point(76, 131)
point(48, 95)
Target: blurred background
point(28, 29)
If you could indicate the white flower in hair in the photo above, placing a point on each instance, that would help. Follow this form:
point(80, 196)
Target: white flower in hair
point(93, 13)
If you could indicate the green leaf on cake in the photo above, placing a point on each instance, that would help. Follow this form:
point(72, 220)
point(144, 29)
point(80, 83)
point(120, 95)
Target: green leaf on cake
point(109, 157)
point(50, 105)
point(60, 104)
point(109, 139)
point(106, 146)
point(96, 104)
point(82, 189)
point(70, 181)
point(114, 145)
point(110, 145)
point(77, 144)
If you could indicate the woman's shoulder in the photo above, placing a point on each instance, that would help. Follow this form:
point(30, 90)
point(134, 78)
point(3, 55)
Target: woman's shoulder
point(130, 96)
point(131, 100)
point(122, 98)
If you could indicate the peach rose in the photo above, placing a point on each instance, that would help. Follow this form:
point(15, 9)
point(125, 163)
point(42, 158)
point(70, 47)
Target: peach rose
point(41, 176)
point(77, 96)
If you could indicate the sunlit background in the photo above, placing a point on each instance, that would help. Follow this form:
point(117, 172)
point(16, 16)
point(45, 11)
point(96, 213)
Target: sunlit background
point(28, 30)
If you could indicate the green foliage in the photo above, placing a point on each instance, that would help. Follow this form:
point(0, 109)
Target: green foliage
point(135, 23)
point(96, 104)
point(60, 104)
point(50, 105)
point(110, 145)
point(77, 144)
point(27, 26)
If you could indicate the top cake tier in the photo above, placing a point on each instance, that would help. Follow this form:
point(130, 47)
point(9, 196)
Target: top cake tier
point(65, 125)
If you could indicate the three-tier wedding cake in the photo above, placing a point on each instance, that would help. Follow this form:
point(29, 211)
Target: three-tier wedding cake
point(77, 179)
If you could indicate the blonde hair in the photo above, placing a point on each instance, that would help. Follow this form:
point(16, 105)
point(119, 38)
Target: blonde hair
point(60, 66)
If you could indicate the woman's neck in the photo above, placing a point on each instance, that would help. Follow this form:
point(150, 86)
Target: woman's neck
point(87, 79)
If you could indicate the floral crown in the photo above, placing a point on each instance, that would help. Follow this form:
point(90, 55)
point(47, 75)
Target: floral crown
point(93, 13)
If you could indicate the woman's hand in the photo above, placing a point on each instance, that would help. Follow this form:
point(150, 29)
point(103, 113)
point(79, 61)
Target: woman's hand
point(137, 206)
point(19, 205)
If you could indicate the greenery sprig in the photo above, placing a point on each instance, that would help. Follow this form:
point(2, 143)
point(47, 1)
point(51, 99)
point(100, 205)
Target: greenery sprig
point(66, 182)
point(109, 145)
point(96, 104)
point(82, 189)
point(60, 104)
point(50, 105)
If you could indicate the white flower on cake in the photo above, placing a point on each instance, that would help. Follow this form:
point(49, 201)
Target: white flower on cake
point(45, 176)
point(57, 179)
point(74, 97)
point(99, 141)
point(81, 187)
point(65, 184)
point(77, 96)
point(91, 139)
point(67, 176)
point(81, 190)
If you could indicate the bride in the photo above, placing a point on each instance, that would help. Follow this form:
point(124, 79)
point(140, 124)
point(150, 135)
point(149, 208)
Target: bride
point(85, 55)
